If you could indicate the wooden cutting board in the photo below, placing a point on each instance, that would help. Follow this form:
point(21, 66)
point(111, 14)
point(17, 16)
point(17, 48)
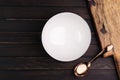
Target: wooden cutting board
point(106, 15)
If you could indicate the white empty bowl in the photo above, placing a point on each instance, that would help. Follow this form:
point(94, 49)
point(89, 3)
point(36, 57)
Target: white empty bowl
point(66, 36)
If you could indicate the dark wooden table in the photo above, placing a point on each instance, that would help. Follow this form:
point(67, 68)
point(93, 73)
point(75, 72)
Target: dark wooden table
point(22, 56)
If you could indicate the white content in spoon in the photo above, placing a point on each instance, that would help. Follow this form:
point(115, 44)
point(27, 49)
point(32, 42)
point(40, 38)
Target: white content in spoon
point(81, 68)
point(109, 47)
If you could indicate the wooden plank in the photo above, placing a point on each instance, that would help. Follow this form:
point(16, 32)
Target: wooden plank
point(23, 37)
point(44, 63)
point(39, 12)
point(14, 50)
point(56, 75)
point(22, 50)
point(81, 3)
point(27, 25)
point(21, 25)
point(106, 14)
point(27, 38)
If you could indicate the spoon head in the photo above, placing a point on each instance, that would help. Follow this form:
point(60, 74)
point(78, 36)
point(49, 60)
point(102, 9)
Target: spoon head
point(81, 69)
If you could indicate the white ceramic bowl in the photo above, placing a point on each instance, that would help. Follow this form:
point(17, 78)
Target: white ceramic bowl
point(66, 36)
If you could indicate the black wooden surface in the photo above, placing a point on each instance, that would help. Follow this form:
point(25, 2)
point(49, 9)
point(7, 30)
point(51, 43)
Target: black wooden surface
point(22, 56)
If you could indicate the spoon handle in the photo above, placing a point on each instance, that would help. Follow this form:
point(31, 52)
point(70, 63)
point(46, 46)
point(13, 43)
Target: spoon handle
point(101, 52)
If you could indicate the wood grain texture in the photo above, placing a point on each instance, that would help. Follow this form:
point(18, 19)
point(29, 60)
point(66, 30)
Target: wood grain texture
point(106, 14)
point(56, 75)
point(38, 12)
point(32, 49)
point(43, 3)
point(47, 63)
point(26, 38)
point(27, 25)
